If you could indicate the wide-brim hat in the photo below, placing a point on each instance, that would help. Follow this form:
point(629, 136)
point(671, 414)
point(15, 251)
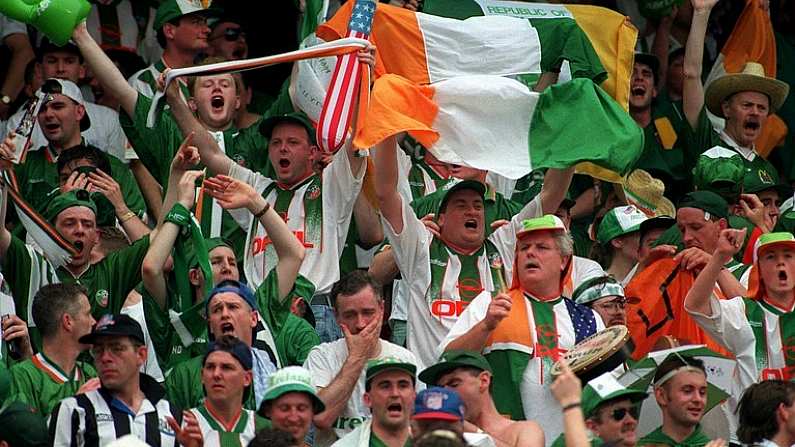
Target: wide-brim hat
point(753, 79)
point(606, 388)
point(645, 192)
point(291, 379)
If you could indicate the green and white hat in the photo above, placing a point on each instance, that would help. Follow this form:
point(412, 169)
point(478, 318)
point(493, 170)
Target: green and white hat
point(768, 240)
point(292, 379)
point(549, 222)
point(720, 170)
point(597, 288)
point(171, 9)
point(619, 221)
point(606, 388)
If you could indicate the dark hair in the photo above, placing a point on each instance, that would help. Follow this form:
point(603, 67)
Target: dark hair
point(677, 361)
point(89, 153)
point(353, 283)
point(271, 437)
point(438, 434)
point(757, 409)
point(51, 302)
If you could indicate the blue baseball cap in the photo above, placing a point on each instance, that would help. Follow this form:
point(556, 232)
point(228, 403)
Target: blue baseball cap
point(440, 404)
point(236, 348)
point(236, 287)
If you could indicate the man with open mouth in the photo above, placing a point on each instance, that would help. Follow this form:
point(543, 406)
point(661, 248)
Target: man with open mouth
point(523, 331)
point(389, 393)
point(680, 388)
point(744, 100)
point(758, 328)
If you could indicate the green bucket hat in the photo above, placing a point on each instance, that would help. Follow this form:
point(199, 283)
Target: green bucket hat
point(451, 360)
point(597, 288)
point(75, 197)
point(171, 9)
point(300, 118)
point(769, 240)
point(720, 170)
point(291, 379)
point(22, 426)
point(377, 366)
point(619, 221)
point(548, 222)
point(711, 203)
point(603, 389)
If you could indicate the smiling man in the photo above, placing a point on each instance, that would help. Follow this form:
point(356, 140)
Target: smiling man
point(291, 402)
point(680, 388)
point(523, 331)
point(744, 100)
point(757, 328)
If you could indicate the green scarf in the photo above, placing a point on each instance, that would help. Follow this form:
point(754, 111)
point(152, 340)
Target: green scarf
point(469, 282)
point(755, 313)
point(657, 437)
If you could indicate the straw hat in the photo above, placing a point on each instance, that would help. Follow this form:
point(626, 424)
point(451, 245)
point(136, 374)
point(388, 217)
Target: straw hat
point(753, 79)
point(646, 193)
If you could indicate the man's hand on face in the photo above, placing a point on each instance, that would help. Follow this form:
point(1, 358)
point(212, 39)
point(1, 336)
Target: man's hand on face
point(362, 346)
point(754, 210)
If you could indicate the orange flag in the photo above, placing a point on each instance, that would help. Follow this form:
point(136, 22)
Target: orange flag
point(662, 288)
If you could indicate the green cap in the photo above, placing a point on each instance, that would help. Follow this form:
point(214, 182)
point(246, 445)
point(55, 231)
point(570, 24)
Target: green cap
point(769, 240)
point(22, 426)
point(292, 379)
point(453, 187)
point(548, 222)
point(603, 389)
point(171, 9)
point(451, 360)
point(720, 170)
point(300, 118)
point(377, 366)
point(711, 203)
point(657, 9)
point(75, 197)
point(214, 242)
point(762, 180)
point(619, 221)
point(597, 288)
point(304, 289)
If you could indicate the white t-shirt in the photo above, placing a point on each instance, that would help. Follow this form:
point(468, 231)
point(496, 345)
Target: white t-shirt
point(128, 27)
point(429, 318)
point(104, 133)
point(10, 26)
point(537, 401)
point(339, 190)
point(325, 362)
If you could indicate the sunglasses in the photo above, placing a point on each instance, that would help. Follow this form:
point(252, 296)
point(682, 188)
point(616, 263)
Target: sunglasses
point(232, 34)
point(619, 414)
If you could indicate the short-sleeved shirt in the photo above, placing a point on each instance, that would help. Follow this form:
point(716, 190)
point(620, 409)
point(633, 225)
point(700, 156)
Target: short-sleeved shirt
point(239, 435)
point(105, 132)
point(41, 383)
point(38, 178)
point(324, 363)
point(317, 210)
point(433, 301)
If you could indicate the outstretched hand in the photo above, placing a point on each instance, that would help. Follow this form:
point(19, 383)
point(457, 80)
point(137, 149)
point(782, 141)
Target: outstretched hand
point(187, 155)
point(190, 435)
point(230, 193)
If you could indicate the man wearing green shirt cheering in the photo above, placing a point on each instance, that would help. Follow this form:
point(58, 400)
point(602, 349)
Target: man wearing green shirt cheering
point(680, 388)
point(63, 314)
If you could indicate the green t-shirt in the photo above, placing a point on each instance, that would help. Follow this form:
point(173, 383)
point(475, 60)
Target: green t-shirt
point(657, 437)
point(41, 383)
point(666, 164)
point(294, 338)
point(38, 178)
point(375, 441)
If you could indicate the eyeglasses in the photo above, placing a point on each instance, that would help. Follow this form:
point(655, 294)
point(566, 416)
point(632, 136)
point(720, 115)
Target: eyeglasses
point(619, 414)
point(614, 305)
point(232, 34)
point(115, 349)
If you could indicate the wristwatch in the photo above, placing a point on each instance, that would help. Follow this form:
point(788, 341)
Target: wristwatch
point(5, 99)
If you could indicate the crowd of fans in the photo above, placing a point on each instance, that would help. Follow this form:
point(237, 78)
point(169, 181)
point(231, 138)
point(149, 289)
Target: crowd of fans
point(215, 279)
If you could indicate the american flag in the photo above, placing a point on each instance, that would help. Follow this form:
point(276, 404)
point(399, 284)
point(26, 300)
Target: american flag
point(335, 118)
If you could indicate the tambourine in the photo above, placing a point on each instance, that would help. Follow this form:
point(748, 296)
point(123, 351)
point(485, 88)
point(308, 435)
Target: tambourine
point(602, 352)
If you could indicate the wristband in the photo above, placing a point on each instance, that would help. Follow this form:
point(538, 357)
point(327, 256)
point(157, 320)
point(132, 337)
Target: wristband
point(263, 210)
point(126, 216)
point(571, 406)
point(179, 215)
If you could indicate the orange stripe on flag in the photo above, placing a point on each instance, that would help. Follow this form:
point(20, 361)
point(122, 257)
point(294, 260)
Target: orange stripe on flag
point(751, 40)
point(396, 33)
point(398, 105)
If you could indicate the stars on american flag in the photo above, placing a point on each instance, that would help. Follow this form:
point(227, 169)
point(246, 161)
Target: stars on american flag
point(362, 16)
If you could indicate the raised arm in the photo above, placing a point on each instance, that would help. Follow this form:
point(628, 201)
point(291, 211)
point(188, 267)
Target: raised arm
point(697, 299)
point(692, 88)
point(21, 53)
point(7, 148)
point(556, 183)
point(211, 154)
point(368, 222)
point(181, 190)
point(233, 194)
point(386, 173)
point(105, 70)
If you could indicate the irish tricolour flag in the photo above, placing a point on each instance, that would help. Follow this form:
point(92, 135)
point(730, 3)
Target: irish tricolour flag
point(497, 123)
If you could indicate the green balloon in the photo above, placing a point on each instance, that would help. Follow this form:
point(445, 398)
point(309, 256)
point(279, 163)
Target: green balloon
point(57, 19)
